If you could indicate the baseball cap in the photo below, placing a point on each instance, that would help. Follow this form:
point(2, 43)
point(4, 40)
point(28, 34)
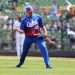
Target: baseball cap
point(28, 7)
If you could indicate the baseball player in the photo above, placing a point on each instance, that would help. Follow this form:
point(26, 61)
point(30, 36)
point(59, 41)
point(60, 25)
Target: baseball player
point(31, 24)
point(19, 36)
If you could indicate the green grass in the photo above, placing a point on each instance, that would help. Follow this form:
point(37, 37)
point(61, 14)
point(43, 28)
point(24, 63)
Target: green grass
point(35, 66)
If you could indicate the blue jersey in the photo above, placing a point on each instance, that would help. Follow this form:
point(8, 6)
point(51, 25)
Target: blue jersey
point(31, 25)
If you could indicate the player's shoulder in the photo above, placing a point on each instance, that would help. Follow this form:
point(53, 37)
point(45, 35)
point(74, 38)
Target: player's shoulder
point(23, 18)
point(37, 16)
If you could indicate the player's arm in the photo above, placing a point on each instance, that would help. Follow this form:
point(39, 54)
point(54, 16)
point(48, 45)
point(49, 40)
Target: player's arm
point(47, 38)
point(42, 27)
point(16, 28)
point(19, 30)
point(45, 32)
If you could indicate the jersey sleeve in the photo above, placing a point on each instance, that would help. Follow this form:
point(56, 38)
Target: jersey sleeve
point(40, 22)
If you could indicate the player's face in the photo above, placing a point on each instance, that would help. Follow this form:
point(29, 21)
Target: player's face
point(29, 12)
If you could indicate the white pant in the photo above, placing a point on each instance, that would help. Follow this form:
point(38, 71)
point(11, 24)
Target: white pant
point(19, 43)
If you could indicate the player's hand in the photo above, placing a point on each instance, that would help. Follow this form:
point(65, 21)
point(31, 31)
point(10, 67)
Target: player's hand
point(19, 30)
point(49, 40)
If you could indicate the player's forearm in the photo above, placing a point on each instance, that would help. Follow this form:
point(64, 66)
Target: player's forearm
point(45, 31)
point(19, 30)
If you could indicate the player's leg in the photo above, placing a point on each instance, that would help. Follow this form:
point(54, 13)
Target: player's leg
point(22, 41)
point(26, 46)
point(18, 47)
point(42, 45)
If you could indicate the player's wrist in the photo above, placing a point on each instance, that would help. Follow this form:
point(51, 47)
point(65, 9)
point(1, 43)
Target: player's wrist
point(46, 35)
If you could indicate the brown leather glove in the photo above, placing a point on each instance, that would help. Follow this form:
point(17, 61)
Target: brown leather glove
point(49, 41)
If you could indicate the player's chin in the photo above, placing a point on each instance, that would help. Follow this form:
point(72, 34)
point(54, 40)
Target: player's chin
point(30, 13)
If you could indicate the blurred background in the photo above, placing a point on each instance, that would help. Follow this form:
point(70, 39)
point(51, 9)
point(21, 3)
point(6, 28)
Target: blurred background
point(60, 26)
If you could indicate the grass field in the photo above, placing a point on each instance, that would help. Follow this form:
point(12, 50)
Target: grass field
point(35, 66)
